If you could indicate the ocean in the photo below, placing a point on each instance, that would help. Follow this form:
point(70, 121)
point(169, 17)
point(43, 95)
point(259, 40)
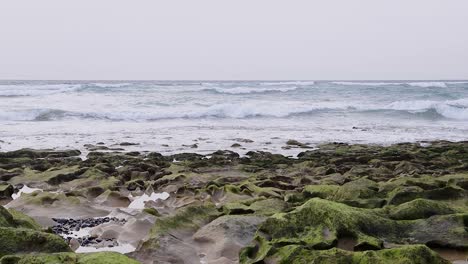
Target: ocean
point(172, 116)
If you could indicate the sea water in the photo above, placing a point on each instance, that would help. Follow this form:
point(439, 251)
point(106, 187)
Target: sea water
point(172, 116)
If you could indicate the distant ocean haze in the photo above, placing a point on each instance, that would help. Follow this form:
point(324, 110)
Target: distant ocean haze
point(165, 115)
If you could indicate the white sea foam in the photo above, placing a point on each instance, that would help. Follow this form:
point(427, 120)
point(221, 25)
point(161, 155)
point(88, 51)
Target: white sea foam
point(251, 109)
point(300, 83)
point(454, 109)
point(53, 114)
point(428, 84)
point(236, 90)
point(249, 90)
point(367, 83)
point(224, 110)
point(24, 189)
point(417, 105)
point(123, 249)
point(10, 90)
point(414, 84)
point(110, 85)
point(457, 82)
point(139, 201)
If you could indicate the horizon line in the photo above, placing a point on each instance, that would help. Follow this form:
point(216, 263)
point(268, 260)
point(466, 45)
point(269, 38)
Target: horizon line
point(237, 80)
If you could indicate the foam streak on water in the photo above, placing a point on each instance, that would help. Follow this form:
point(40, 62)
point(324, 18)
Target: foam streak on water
point(213, 114)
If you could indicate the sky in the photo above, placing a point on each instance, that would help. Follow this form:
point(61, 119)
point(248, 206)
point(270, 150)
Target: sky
point(234, 39)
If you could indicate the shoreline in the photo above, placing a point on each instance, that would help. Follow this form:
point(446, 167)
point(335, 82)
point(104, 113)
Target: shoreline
point(337, 201)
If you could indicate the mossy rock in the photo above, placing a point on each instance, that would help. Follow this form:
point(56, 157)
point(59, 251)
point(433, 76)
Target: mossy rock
point(44, 153)
point(236, 208)
point(113, 199)
point(22, 240)
point(360, 193)
point(6, 190)
point(417, 254)
point(6, 219)
point(24, 221)
point(15, 219)
point(365, 203)
point(48, 198)
point(418, 209)
point(267, 192)
point(265, 160)
point(445, 231)
point(268, 206)
point(37, 159)
point(358, 189)
point(152, 211)
point(446, 193)
point(320, 191)
point(295, 198)
point(190, 217)
point(293, 142)
point(259, 207)
point(320, 224)
point(55, 258)
point(105, 258)
point(53, 175)
point(69, 258)
point(404, 194)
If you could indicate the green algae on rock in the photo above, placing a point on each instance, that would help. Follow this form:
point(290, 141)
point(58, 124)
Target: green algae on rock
point(20, 234)
point(23, 240)
point(295, 254)
point(69, 258)
point(380, 203)
point(419, 209)
point(320, 224)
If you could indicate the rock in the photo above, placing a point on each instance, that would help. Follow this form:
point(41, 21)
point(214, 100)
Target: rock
point(243, 140)
point(19, 240)
point(128, 144)
point(6, 175)
point(91, 147)
point(419, 209)
point(319, 224)
point(405, 194)
point(319, 207)
point(299, 254)
point(113, 199)
point(296, 143)
point(58, 178)
point(69, 258)
point(191, 146)
point(74, 244)
point(223, 238)
point(6, 190)
point(110, 234)
point(321, 191)
point(171, 237)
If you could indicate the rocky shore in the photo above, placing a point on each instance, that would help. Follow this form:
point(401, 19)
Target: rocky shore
point(339, 203)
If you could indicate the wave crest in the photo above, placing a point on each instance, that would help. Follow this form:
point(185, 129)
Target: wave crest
point(413, 84)
point(249, 90)
point(9, 90)
point(455, 109)
point(428, 84)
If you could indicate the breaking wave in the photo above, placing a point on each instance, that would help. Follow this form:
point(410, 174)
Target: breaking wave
point(249, 90)
point(413, 84)
point(455, 109)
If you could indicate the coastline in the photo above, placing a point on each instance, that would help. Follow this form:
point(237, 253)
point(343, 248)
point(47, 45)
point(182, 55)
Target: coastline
point(401, 202)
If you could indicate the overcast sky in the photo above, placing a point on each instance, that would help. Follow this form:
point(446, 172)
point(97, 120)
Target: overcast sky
point(235, 39)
